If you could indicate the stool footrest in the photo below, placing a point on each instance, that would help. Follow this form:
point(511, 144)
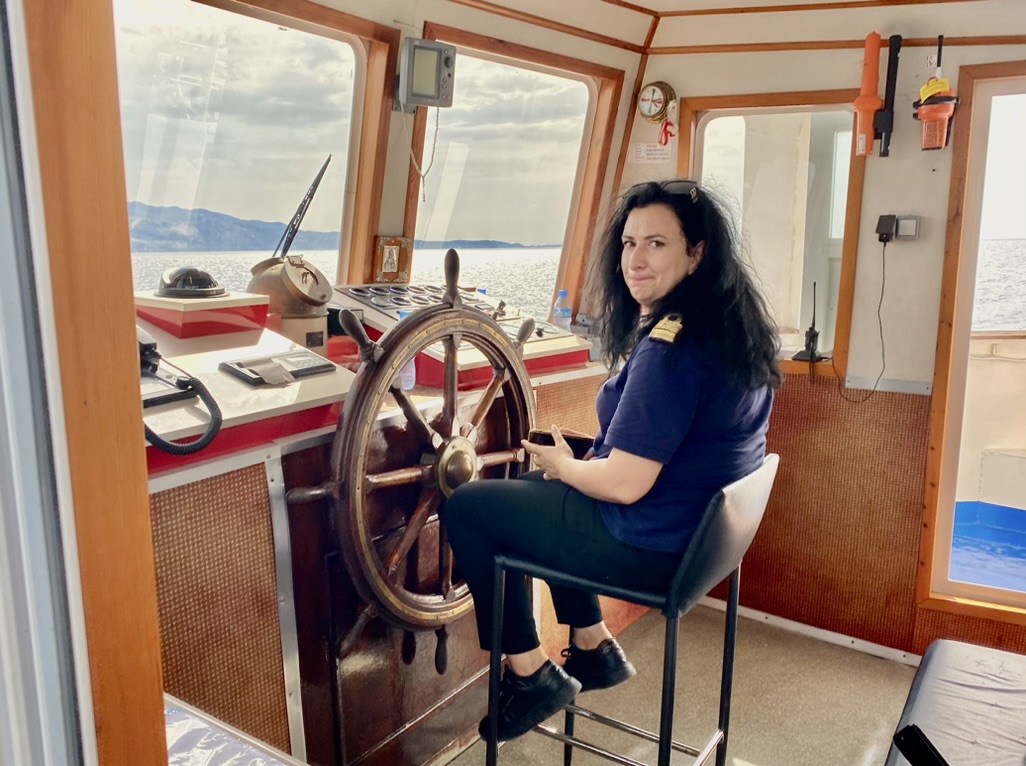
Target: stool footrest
point(637, 731)
point(587, 747)
point(701, 756)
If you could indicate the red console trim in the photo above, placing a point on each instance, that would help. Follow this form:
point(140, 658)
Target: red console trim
point(247, 436)
point(212, 321)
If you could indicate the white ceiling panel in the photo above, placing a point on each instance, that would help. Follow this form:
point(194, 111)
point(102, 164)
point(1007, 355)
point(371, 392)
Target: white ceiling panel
point(976, 19)
point(668, 6)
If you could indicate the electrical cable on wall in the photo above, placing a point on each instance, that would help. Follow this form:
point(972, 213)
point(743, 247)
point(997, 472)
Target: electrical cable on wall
point(413, 157)
point(879, 319)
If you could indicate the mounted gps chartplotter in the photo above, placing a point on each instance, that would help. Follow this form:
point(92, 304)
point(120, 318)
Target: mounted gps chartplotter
point(427, 71)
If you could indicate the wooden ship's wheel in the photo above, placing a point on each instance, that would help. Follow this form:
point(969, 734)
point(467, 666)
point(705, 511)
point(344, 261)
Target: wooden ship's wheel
point(394, 462)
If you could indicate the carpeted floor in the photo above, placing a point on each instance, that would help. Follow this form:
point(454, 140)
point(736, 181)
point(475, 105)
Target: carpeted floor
point(797, 701)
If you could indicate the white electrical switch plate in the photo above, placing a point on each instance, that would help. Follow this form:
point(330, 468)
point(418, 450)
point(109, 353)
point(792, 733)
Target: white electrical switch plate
point(908, 227)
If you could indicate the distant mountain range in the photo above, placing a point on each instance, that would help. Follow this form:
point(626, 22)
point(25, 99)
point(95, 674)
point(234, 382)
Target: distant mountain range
point(173, 229)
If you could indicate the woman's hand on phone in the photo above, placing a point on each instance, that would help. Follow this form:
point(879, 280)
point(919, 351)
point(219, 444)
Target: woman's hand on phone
point(549, 459)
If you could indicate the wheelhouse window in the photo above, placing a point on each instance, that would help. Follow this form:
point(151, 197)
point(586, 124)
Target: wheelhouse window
point(226, 121)
point(785, 172)
point(980, 536)
point(500, 167)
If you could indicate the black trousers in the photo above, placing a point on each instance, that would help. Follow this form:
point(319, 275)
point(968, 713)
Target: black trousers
point(553, 524)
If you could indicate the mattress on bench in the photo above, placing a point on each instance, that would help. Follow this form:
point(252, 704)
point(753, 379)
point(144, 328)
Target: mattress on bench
point(971, 702)
point(197, 739)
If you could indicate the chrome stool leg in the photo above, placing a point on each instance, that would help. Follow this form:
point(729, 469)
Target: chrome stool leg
point(727, 677)
point(568, 729)
point(669, 689)
point(495, 666)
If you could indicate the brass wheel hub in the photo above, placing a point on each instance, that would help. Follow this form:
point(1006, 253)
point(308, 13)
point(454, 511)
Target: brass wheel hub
point(457, 464)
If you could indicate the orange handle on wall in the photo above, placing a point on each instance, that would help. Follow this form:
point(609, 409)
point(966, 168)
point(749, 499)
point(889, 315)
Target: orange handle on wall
point(868, 102)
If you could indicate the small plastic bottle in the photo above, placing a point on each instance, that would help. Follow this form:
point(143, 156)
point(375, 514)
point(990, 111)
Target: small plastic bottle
point(562, 312)
point(408, 374)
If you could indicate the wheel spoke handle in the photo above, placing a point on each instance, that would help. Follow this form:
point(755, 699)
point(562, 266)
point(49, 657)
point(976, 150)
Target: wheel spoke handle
point(526, 331)
point(487, 398)
point(429, 501)
point(490, 459)
point(451, 266)
point(450, 392)
point(441, 651)
point(368, 613)
point(301, 495)
point(415, 474)
point(369, 350)
point(424, 432)
point(444, 561)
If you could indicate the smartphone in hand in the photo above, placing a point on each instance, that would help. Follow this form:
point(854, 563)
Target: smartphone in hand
point(580, 444)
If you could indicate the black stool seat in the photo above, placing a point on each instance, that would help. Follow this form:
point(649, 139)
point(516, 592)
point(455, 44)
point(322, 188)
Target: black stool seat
point(724, 534)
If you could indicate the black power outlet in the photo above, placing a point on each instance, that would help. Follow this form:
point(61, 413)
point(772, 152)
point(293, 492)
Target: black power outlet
point(886, 227)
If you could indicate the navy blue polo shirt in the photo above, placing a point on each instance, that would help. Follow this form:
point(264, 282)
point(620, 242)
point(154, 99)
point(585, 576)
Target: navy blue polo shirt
point(672, 403)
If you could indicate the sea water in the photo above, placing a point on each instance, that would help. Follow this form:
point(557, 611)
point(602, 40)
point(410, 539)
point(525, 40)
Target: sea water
point(526, 277)
point(1000, 298)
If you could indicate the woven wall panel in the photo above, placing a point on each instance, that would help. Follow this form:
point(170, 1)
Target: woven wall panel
point(932, 625)
point(570, 404)
point(216, 590)
point(838, 547)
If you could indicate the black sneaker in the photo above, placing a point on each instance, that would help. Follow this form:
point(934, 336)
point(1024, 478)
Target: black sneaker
point(526, 702)
point(599, 668)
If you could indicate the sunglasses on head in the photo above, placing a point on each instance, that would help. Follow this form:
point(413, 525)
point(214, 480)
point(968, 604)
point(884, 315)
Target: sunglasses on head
point(681, 187)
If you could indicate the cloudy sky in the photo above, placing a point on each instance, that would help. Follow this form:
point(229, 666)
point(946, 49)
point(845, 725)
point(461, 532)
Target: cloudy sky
point(1004, 198)
point(506, 155)
point(236, 115)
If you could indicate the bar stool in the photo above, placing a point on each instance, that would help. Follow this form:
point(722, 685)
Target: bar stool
point(724, 534)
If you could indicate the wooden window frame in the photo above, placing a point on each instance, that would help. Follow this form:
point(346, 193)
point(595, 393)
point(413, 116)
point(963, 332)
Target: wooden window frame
point(591, 172)
point(82, 190)
point(693, 109)
point(926, 596)
point(371, 113)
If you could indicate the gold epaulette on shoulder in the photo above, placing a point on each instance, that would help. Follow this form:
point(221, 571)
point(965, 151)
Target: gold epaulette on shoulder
point(667, 328)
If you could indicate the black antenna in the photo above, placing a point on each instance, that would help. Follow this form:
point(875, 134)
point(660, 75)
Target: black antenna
point(813, 305)
point(293, 228)
point(810, 353)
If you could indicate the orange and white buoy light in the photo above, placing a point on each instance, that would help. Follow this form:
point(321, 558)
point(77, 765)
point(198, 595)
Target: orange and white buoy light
point(868, 102)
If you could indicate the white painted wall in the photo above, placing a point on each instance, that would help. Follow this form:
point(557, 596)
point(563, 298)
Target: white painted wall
point(909, 181)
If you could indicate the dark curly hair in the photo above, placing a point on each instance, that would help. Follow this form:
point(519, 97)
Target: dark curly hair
point(719, 301)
